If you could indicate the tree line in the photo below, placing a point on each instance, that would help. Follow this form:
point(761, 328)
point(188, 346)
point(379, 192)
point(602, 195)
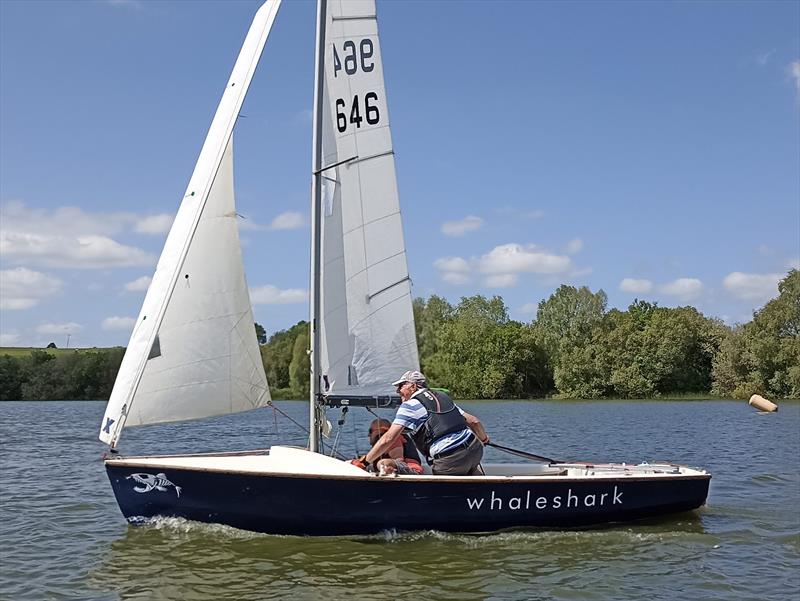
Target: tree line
point(575, 347)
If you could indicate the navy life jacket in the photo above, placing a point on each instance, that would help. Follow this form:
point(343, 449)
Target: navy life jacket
point(443, 418)
point(410, 450)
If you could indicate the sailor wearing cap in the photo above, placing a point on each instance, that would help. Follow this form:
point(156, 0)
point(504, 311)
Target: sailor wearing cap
point(449, 437)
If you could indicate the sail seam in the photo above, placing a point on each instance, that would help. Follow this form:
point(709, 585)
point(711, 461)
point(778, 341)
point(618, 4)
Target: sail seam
point(359, 272)
point(366, 223)
point(376, 310)
point(358, 159)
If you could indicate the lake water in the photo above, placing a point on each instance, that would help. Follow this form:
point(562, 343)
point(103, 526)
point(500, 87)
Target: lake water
point(62, 535)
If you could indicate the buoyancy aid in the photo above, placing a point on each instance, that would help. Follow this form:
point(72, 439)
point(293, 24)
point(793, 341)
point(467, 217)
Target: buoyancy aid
point(410, 450)
point(443, 418)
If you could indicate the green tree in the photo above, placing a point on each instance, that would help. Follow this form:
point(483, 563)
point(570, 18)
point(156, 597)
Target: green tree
point(564, 322)
point(482, 354)
point(430, 316)
point(261, 334)
point(763, 356)
point(10, 379)
point(300, 367)
point(277, 354)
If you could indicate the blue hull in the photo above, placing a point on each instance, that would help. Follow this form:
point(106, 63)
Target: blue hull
point(302, 505)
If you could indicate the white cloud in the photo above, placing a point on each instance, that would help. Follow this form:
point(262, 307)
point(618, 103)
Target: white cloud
point(529, 309)
point(536, 214)
point(9, 339)
point(455, 278)
point(83, 252)
point(461, 227)
point(636, 286)
point(503, 280)
point(752, 286)
point(503, 264)
point(67, 237)
point(514, 258)
point(154, 224)
point(454, 270)
point(62, 221)
point(763, 58)
point(139, 284)
point(22, 288)
point(574, 246)
point(118, 323)
point(683, 288)
point(451, 264)
point(793, 264)
point(794, 73)
point(271, 295)
point(288, 221)
point(59, 328)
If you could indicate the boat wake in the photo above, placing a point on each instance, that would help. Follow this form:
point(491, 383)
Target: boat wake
point(173, 525)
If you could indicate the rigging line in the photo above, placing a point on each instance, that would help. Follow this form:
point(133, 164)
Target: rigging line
point(519, 453)
point(336, 441)
point(339, 425)
point(355, 438)
point(287, 416)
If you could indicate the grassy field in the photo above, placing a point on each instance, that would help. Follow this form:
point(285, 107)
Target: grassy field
point(24, 351)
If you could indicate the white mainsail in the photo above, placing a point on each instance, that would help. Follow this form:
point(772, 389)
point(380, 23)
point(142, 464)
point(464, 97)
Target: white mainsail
point(193, 352)
point(366, 320)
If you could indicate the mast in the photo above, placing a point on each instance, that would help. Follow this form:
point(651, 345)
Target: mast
point(316, 228)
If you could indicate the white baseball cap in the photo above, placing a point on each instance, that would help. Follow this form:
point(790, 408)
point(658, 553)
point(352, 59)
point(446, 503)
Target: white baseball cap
point(411, 376)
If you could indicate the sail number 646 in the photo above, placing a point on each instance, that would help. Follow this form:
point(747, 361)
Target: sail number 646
point(371, 112)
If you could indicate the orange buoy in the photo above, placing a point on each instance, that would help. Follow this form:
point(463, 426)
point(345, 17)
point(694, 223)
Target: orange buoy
point(762, 404)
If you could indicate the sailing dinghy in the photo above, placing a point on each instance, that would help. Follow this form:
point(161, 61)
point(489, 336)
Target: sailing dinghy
point(193, 352)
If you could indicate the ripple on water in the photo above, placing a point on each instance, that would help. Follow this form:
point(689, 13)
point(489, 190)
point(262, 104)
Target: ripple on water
point(62, 536)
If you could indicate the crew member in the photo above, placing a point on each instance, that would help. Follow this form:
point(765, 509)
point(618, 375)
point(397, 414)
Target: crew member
point(449, 437)
point(401, 457)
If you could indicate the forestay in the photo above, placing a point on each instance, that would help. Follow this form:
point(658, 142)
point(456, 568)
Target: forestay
point(367, 326)
point(193, 351)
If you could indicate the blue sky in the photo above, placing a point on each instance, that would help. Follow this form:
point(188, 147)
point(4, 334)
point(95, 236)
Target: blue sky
point(649, 149)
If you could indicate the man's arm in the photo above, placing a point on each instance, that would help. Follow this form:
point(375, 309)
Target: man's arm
point(384, 442)
point(476, 426)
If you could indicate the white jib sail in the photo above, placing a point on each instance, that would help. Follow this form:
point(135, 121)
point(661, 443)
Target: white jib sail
point(367, 333)
point(193, 351)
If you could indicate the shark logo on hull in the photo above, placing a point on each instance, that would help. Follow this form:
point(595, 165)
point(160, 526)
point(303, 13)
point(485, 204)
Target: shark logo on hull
point(148, 482)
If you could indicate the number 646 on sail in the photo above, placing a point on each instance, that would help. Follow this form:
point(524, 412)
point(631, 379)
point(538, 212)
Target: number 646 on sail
point(370, 112)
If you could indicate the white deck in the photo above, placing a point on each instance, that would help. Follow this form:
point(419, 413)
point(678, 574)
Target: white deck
point(295, 461)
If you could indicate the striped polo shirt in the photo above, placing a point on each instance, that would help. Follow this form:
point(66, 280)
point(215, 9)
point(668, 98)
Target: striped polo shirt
point(412, 415)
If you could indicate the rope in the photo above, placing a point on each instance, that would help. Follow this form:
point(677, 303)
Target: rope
point(523, 454)
point(287, 416)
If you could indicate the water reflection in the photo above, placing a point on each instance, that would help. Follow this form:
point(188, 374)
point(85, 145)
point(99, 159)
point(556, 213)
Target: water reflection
point(202, 561)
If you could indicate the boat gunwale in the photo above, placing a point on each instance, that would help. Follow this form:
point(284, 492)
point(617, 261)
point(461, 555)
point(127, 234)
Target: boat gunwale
point(132, 462)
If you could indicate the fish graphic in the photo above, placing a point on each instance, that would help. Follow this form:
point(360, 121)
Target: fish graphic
point(150, 482)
